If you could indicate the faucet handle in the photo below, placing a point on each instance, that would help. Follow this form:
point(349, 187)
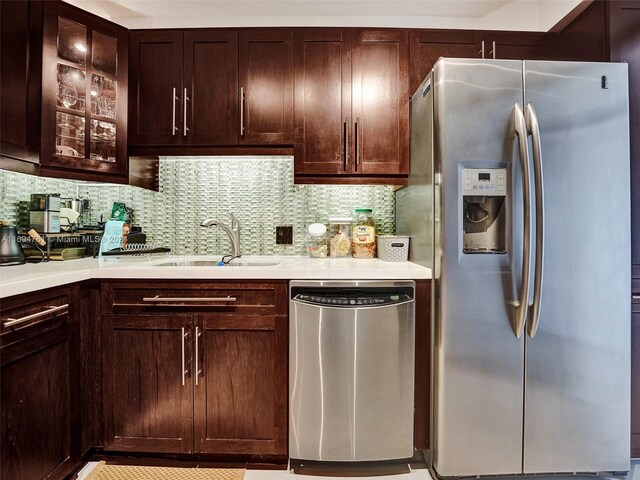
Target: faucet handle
point(235, 223)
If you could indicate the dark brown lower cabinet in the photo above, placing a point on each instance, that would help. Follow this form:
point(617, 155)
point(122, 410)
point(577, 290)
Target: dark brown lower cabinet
point(195, 367)
point(39, 390)
point(148, 393)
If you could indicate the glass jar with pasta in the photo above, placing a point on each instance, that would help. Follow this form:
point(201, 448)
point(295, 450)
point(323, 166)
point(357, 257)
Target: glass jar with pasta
point(363, 234)
point(340, 237)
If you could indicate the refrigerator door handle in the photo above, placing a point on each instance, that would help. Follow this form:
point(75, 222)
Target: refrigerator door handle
point(534, 130)
point(522, 304)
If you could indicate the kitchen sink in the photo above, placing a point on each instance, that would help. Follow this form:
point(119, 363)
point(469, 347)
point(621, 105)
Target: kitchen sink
point(211, 263)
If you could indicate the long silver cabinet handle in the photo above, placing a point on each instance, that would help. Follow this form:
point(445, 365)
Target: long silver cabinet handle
point(346, 143)
point(481, 52)
point(241, 111)
point(522, 304)
point(185, 129)
point(534, 130)
point(493, 49)
point(189, 299)
point(9, 322)
point(197, 369)
point(635, 297)
point(182, 364)
point(174, 97)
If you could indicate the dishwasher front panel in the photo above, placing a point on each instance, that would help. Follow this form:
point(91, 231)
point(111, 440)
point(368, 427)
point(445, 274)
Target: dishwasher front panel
point(351, 378)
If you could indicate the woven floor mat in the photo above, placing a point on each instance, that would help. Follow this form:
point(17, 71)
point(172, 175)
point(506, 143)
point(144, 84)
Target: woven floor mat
point(131, 472)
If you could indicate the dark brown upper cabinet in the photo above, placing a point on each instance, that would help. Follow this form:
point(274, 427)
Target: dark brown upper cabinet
point(211, 87)
point(154, 86)
point(84, 94)
point(352, 103)
point(266, 87)
point(20, 80)
point(429, 45)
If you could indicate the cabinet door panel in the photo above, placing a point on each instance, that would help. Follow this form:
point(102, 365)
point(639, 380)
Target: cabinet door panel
point(36, 407)
point(156, 70)
point(211, 80)
point(380, 108)
point(266, 76)
point(20, 77)
point(241, 392)
point(147, 407)
point(517, 45)
point(323, 101)
point(428, 45)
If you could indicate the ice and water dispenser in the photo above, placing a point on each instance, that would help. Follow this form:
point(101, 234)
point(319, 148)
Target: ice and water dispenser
point(484, 191)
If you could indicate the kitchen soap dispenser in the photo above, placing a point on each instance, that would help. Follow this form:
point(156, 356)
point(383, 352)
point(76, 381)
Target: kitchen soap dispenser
point(10, 250)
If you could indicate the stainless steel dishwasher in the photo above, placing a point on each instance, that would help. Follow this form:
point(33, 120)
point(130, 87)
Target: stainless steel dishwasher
point(351, 370)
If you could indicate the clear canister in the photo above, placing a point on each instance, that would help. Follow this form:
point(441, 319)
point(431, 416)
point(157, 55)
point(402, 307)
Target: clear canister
point(340, 237)
point(363, 234)
point(317, 240)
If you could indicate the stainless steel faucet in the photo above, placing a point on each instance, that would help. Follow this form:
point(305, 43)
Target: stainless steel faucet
point(233, 232)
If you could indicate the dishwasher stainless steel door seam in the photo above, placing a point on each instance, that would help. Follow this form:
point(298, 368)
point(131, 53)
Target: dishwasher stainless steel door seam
point(351, 370)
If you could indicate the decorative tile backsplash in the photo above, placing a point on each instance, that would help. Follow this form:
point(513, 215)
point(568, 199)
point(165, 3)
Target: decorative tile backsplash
point(259, 191)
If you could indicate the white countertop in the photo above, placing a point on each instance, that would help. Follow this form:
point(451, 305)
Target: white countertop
point(20, 279)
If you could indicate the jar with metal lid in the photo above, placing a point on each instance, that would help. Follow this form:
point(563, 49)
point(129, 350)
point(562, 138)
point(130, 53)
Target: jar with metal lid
point(317, 240)
point(340, 237)
point(363, 234)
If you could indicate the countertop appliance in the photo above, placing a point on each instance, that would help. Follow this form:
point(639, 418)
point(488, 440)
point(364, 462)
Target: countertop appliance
point(351, 370)
point(11, 252)
point(519, 201)
point(44, 212)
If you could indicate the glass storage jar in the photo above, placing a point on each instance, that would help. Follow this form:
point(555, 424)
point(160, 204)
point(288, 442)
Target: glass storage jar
point(317, 240)
point(340, 237)
point(363, 234)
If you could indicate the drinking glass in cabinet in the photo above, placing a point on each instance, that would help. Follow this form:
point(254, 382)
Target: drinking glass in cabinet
point(103, 96)
point(72, 41)
point(103, 141)
point(71, 88)
point(69, 135)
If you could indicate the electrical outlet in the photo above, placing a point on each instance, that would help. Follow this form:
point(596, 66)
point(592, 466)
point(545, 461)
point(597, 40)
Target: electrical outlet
point(284, 235)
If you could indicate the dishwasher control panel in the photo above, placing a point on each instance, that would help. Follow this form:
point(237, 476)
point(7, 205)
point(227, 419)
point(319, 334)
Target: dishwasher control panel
point(341, 298)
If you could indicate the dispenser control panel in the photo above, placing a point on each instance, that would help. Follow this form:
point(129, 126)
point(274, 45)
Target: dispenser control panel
point(484, 181)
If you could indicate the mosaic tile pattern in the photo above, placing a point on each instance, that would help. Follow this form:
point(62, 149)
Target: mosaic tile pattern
point(259, 191)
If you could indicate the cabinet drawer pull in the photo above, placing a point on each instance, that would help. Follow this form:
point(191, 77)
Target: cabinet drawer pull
point(14, 321)
point(189, 299)
point(635, 297)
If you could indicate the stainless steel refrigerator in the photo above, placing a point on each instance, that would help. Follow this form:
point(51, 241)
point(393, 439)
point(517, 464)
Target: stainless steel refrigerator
point(519, 201)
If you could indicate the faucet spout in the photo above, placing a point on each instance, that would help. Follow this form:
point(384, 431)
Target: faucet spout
point(232, 232)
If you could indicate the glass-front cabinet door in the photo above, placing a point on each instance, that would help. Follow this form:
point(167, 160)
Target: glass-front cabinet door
point(84, 94)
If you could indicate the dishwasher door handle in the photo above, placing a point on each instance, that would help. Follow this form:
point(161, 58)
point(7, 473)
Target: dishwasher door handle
point(350, 307)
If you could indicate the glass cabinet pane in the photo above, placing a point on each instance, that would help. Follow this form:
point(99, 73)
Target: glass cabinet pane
point(104, 53)
point(103, 141)
point(69, 135)
point(71, 88)
point(72, 41)
point(103, 96)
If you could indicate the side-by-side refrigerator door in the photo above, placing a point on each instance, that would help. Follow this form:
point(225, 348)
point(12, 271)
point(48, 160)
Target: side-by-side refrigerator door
point(479, 359)
point(577, 363)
